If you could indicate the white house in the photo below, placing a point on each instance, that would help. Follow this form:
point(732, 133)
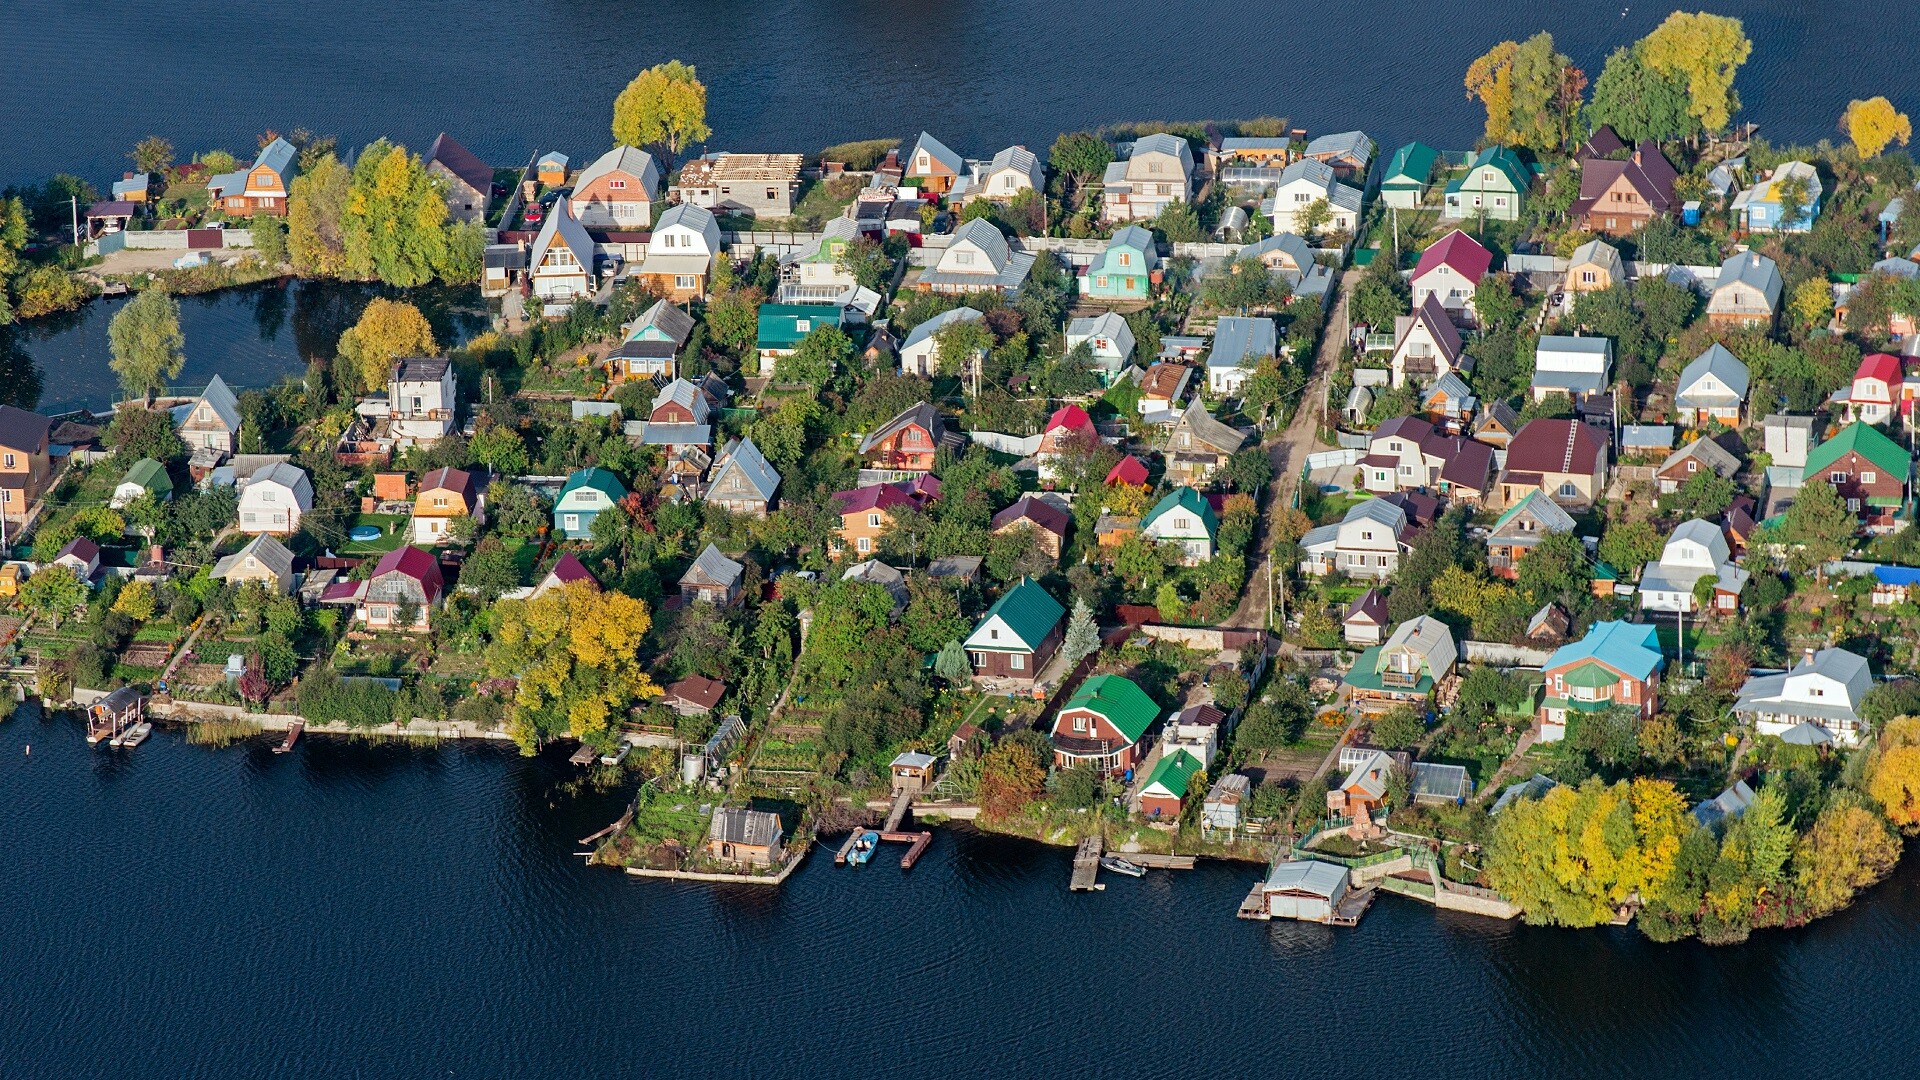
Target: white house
point(681, 251)
point(1306, 182)
point(920, 353)
point(1712, 388)
point(1108, 337)
point(274, 499)
point(1824, 689)
point(1426, 345)
point(1367, 543)
point(1156, 173)
point(1451, 269)
point(560, 269)
point(1696, 550)
point(420, 400)
point(1575, 366)
point(1012, 171)
point(978, 260)
point(1239, 343)
point(1183, 518)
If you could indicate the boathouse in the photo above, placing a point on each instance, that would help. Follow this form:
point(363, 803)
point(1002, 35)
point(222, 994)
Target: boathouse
point(745, 837)
point(1306, 889)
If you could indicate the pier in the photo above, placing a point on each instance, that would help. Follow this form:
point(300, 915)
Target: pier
point(1086, 865)
point(916, 845)
point(293, 736)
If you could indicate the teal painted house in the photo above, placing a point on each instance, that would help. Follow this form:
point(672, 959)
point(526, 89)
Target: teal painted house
point(588, 492)
point(1405, 183)
point(1124, 271)
point(782, 326)
point(1495, 185)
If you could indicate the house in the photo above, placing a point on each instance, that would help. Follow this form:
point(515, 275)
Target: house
point(816, 272)
point(932, 167)
point(1868, 470)
point(920, 353)
point(1239, 344)
point(1451, 269)
point(1695, 550)
point(1012, 171)
point(1645, 440)
point(1618, 197)
point(1162, 389)
point(133, 187)
point(1764, 206)
point(274, 499)
point(1449, 401)
point(783, 327)
point(1366, 620)
point(446, 494)
point(875, 572)
point(977, 259)
point(1577, 367)
point(147, 477)
point(1307, 184)
point(680, 253)
point(1364, 791)
point(1367, 543)
point(1308, 890)
point(1348, 153)
point(1876, 393)
point(261, 188)
point(213, 420)
point(1155, 173)
point(1825, 689)
point(679, 403)
point(1290, 259)
point(586, 494)
point(1564, 459)
point(560, 269)
point(912, 772)
point(1496, 424)
point(1409, 174)
point(1524, 524)
point(910, 442)
point(551, 169)
point(746, 185)
point(1066, 427)
point(1426, 345)
point(1017, 635)
point(1595, 266)
point(1787, 439)
point(1493, 188)
point(1692, 458)
point(744, 482)
point(1182, 518)
point(695, 695)
point(1550, 625)
point(1712, 389)
point(1747, 292)
point(743, 837)
point(651, 344)
point(1225, 803)
point(617, 191)
point(1046, 520)
point(1167, 784)
point(1128, 470)
point(713, 578)
point(1616, 663)
point(566, 571)
point(26, 463)
point(264, 559)
point(1416, 659)
point(1198, 446)
point(866, 512)
point(1407, 453)
point(1197, 729)
point(466, 182)
point(81, 555)
point(1102, 725)
point(1729, 804)
point(1124, 270)
point(1108, 338)
point(420, 400)
point(404, 576)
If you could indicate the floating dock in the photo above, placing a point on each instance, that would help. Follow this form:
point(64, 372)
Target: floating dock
point(293, 736)
point(1086, 865)
point(916, 844)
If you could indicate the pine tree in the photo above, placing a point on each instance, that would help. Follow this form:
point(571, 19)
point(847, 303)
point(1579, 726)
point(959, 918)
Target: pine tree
point(952, 665)
point(1083, 637)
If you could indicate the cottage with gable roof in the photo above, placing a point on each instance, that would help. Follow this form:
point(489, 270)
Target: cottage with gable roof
point(264, 559)
point(1763, 207)
point(404, 576)
point(1290, 259)
point(1492, 189)
point(651, 344)
point(932, 166)
point(1520, 529)
point(1018, 635)
point(713, 578)
point(1042, 516)
point(1747, 292)
point(1348, 153)
point(1415, 660)
point(1108, 338)
point(618, 190)
point(1694, 457)
point(212, 421)
point(1451, 270)
point(1870, 472)
point(744, 482)
point(920, 353)
point(1825, 689)
point(1696, 550)
point(1876, 393)
point(1572, 366)
point(1125, 268)
point(681, 253)
point(1618, 197)
point(1409, 175)
point(262, 187)
point(466, 181)
point(1449, 401)
point(1566, 460)
point(560, 268)
point(1183, 518)
point(1167, 784)
point(1308, 182)
point(1426, 346)
point(274, 499)
point(588, 493)
point(977, 259)
point(1616, 663)
point(1012, 171)
point(1198, 446)
point(1239, 344)
point(1595, 266)
point(910, 442)
point(1155, 172)
point(1367, 543)
point(1713, 389)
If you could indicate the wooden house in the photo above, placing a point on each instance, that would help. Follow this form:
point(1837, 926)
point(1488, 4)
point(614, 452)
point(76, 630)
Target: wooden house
point(1046, 520)
point(681, 253)
point(1018, 634)
point(265, 560)
point(742, 837)
point(1618, 197)
point(560, 268)
point(1869, 471)
point(910, 442)
point(262, 187)
point(912, 772)
point(213, 419)
point(404, 576)
point(588, 492)
point(445, 495)
point(1102, 725)
point(26, 464)
point(465, 180)
point(1415, 660)
point(713, 578)
point(1595, 266)
point(1167, 785)
point(1197, 446)
point(744, 482)
point(932, 166)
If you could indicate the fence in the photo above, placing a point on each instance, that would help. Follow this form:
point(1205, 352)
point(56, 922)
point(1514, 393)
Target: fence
point(1500, 654)
point(1019, 445)
point(1334, 459)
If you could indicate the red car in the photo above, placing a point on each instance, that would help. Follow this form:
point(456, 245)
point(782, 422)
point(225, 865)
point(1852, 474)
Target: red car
point(533, 215)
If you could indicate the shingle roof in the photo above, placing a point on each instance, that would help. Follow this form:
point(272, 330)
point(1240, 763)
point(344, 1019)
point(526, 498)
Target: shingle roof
point(1047, 515)
point(1119, 700)
point(920, 414)
point(461, 162)
point(23, 430)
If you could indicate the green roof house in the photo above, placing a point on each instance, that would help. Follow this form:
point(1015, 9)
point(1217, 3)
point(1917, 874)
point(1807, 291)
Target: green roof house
point(147, 477)
point(782, 326)
point(1167, 785)
point(1017, 635)
point(1102, 725)
point(1869, 471)
point(1183, 518)
point(1494, 185)
point(588, 492)
point(1407, 175)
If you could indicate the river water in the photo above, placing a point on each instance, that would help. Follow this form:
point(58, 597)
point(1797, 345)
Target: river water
point(363, 910)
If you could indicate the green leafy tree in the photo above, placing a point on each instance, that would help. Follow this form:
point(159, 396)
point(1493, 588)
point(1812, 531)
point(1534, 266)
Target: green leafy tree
point(1495, 304)
point(1399, 728)
point(824, 351)
point(733, 318)
point(1818, 527)
point(1703, 495)
point(54, 592)
point(664, 107)
point(1078, 159)
point(1705, 52)
point(269, 238)
point(394, 221)
point(388, 330)
point(316, 212)
point(1381, 296)
point(490, 571)
point(1179, 223)
point(960, 344)
point(148, 347)
point(143, 433)
point(152, 154)
point(951, 664)
point(1638, 102)
point(1630, 544)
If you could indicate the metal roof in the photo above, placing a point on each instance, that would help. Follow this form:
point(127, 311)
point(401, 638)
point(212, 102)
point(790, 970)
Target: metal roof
point(1237, 340)
point(715, 567)
point(1308, 876)
point(631, 160)
point(746, 459)
point(938, 151)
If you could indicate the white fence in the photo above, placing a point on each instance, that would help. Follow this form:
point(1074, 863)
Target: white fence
point(1333, 459)
point(1018, 445)
point(1500, 654)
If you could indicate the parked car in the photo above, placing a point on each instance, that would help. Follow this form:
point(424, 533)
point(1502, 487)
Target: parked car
point(533, 215)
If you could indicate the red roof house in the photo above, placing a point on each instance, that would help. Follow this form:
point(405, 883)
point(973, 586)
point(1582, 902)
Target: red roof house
point(1128, 471)
point(1450, 270)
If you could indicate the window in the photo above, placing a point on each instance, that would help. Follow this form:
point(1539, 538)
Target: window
point(1100, 281)
point(1017, 662)
point(1817, 691)
point(1869, 477)
point(1837, 478)
point(801, 326)
point(617, 185)
point(1568, 491)
point(863, 544)
point(873, 521)
point(1366, 535)
point(1588, 277)
point(10, 461)
point(963, 258)
point(1126, 258)
point(1693, 466)
point(1853, 505)
point(685, 281)
point(416, 404)
point(439, 500)
point(1079, 723)
point(772, 195)
point(993, 632)
point(570, 522)
point(1380, 560)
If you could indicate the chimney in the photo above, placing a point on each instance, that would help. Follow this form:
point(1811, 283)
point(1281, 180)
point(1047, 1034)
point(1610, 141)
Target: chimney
point(1809, 654)
point(1636, 156)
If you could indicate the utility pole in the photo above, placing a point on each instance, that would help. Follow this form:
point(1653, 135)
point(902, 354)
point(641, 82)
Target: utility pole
point(73, 207)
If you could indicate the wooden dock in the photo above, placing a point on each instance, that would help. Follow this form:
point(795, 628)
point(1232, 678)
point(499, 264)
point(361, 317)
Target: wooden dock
point(584, 755)
point(898, 813)
point(916, 843)
point(1255, 905)
point(293, 736)
point(1086, 865)
point(1158, 862)
point(840, 857)
point(1352, 906)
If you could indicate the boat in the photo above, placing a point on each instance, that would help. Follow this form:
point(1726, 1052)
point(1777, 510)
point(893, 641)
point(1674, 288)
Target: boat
point(864, 845)
point(1122, 866)
point(135, 735)
point(617, 756)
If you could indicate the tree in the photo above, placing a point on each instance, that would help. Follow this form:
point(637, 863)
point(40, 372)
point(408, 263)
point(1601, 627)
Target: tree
point(54, 592)
point(1242, 285)
point(1494, 302)
point(1849, 848)
point(1893, 780)
point(143, 433)
point(394, 222)
point(1769, 835)
point(824, 351)
point(490, 571)
point(951, 664)
point(500, 449)
point(1640, 103)
point(1398, 728)
point(1703, 495)
point(388, 330)
point(1874, 123)
point(960, 344)
point(1083, 637)
point(1381, 296)
point(1011, 776)
point(135, 601)
point(269, 238)
point(316, 207)
point(664, 106)
point(1811, 304)
point(1818, 526)
point(1490, 79)
point(1310, 218)
point(575, 653)
point(1179, 223)
point(1704, 52)
point(1080, 158)
point(1569, 857)
point(148, 348)
point(1546, 91)
point(152, 154)
point(1077, 788)
point(733, 318)
point(1628, 544)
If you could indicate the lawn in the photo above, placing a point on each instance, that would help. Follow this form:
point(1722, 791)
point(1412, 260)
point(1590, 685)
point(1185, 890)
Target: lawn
point(393, 533)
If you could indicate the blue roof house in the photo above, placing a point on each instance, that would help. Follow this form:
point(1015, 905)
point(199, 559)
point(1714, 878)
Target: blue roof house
point(1617, 664)
point(588, 492)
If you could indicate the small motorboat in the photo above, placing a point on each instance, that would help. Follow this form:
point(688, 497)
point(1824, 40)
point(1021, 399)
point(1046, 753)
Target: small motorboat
point(864, 845)
point(135, 735)
point(1122, 866)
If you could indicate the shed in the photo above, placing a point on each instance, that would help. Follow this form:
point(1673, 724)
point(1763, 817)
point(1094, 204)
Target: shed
point(1436, 783)
point(1226, 802)
point(1306, 889)
point(912, 772)
point(745, 837)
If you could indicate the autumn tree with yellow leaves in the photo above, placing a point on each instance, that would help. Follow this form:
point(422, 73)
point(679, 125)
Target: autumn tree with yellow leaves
point(1874, 123)
point(1571, 857)
point(576, 654)
point(1893, 777)
point(1704, 51)
point(387, 331)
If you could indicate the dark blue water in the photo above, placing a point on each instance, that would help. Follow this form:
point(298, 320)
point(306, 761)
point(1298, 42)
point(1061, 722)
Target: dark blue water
point(365, 910)
point(82, 83)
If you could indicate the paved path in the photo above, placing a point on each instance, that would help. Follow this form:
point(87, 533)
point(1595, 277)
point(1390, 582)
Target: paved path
point(1289, 454)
